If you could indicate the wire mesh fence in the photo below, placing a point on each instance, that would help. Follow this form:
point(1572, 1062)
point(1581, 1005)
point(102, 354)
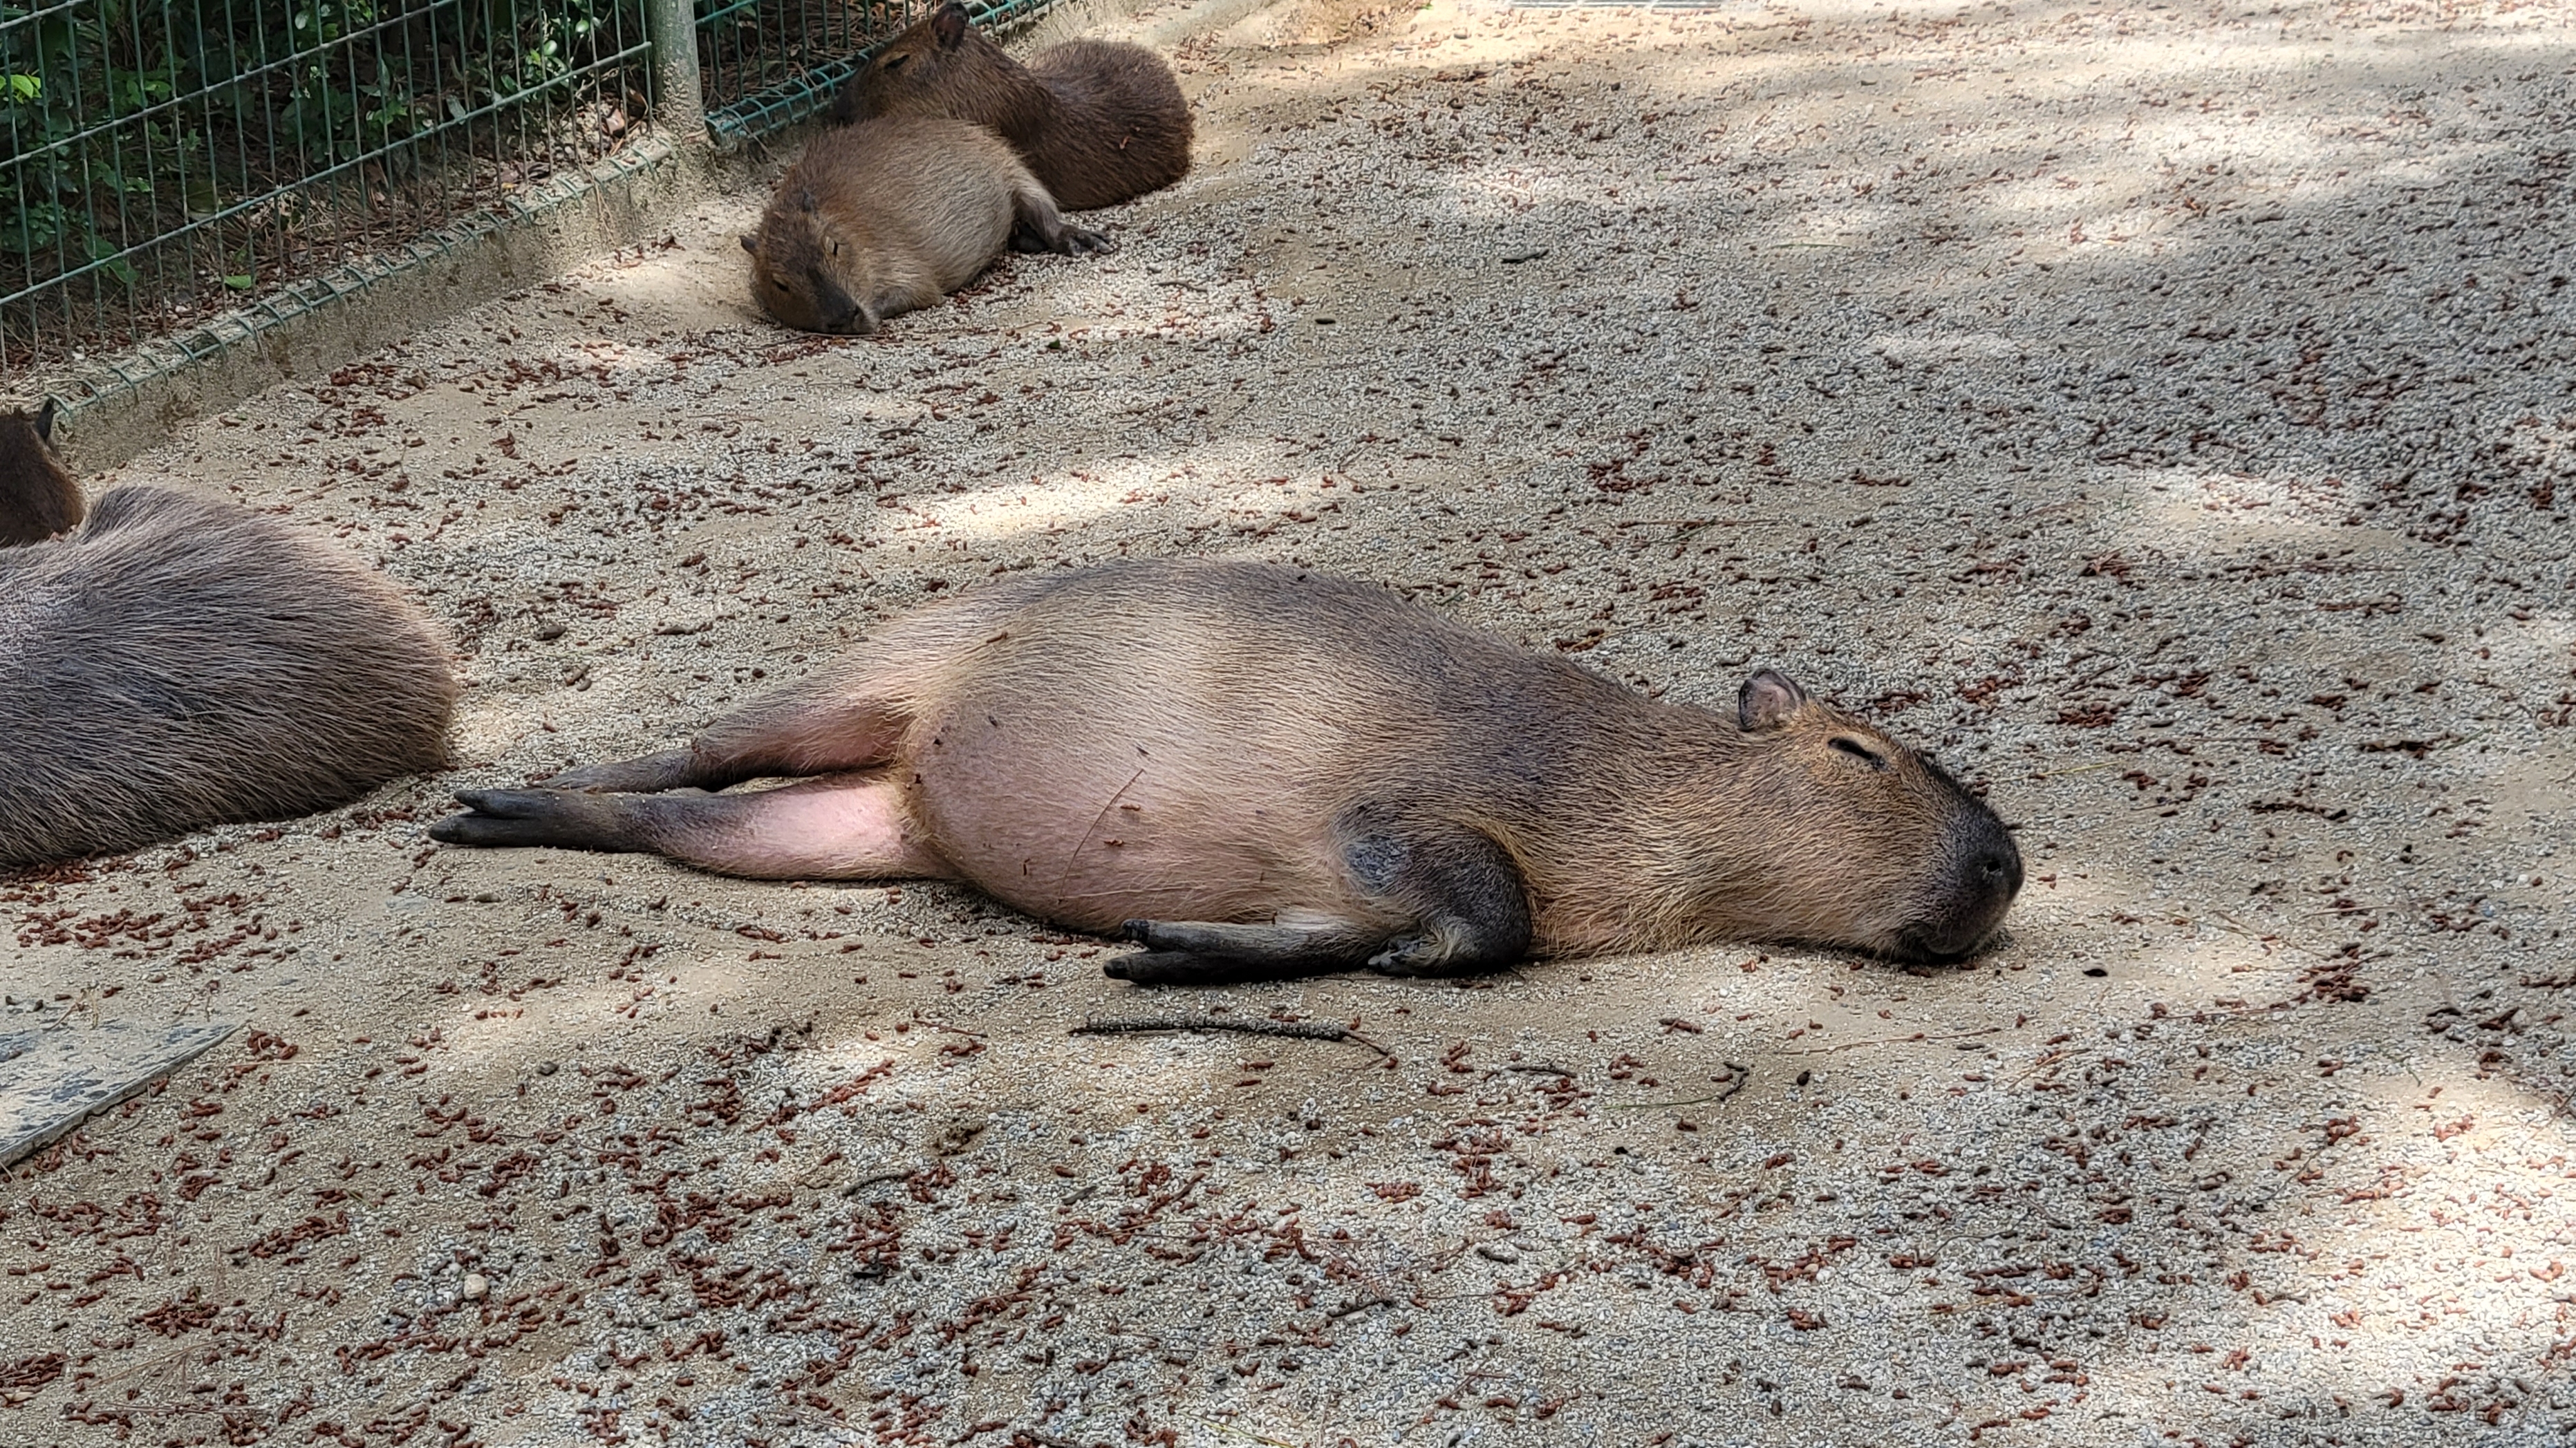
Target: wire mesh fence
point(186, 168)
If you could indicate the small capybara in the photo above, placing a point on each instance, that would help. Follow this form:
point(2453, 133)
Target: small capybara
point(38, 499)
point(179, 663)
point(890, 216)
point(1260, 771)
point(1099, 122)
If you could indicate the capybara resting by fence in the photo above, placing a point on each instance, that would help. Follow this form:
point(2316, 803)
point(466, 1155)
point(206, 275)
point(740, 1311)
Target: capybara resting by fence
point(38, 499)
point(179, 663)
point(1257, 770)
point(1099, 122)
point(890, 216)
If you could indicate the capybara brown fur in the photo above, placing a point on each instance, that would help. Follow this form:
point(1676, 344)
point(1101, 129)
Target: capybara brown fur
point(890, 216)
point(38, 499)
point(180, 662)
point(1100, 122)
point(1259, 770)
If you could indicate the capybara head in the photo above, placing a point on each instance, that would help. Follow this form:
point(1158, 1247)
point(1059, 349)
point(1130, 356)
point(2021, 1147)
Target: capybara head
point(803, 273)
point(1873, 844)
point(932, 69)
point(38, 499)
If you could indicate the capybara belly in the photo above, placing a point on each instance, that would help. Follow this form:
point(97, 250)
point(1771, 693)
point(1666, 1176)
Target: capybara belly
point(1090, 815)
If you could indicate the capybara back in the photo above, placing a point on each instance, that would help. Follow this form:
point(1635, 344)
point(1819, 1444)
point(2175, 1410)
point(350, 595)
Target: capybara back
point(180, 662)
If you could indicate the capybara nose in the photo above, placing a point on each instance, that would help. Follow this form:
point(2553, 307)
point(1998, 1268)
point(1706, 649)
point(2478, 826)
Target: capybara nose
point(1983, 877)
point(2001, 870)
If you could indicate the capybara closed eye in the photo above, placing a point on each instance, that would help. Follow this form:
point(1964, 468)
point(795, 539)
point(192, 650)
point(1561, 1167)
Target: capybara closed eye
point(180, 662)
point(890, 216)
point(1256, 770)
point(1100, 122)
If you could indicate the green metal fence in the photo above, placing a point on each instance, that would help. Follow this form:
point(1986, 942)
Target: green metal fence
point(174, 174)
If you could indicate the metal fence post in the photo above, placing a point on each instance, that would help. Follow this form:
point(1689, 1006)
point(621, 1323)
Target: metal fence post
point(679, 101)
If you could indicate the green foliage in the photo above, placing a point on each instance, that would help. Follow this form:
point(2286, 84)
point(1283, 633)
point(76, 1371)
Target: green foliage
point(124, 120)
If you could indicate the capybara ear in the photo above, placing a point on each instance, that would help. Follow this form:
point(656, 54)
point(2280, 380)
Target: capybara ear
point(948, 26)
point(1767, 700)
point(750, 245)
point(45, 422)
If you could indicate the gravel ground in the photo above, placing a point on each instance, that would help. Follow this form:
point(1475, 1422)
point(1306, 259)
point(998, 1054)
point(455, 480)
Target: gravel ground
point(2163, 413)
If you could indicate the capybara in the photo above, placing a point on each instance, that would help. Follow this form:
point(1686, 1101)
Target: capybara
point(891, 215)
point(38, 499)
point(180, 662)
point(1099, 122)
point(1258, 770)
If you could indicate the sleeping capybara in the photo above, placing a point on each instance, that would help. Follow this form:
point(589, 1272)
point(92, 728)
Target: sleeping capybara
point(889, 216)
point(1259, 770)
point(1100, 122)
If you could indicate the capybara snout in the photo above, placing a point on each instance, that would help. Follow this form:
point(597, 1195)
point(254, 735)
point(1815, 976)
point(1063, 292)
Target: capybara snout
point(1974, 878)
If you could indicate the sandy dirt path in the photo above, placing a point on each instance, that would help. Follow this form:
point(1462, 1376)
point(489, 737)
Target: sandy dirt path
point(2163, 413)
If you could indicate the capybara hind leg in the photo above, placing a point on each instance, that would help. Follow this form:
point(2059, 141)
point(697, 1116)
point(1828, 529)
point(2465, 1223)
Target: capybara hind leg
point(647, 774)
point(563, 819)
point(829, 725)
point(839, 827)
point(1037, 224)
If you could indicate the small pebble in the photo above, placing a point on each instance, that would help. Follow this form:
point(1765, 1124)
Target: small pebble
point(476, 1285)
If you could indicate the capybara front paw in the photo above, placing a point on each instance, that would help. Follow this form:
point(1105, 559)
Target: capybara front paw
point(1156, 967)
point(1083, 241)
point(1408, 956)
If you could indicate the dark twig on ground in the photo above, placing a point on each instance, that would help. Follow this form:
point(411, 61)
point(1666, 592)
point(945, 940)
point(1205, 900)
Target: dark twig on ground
point(1295, 1030)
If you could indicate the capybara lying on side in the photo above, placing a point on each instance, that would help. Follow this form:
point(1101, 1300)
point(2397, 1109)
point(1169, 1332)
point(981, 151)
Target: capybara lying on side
point(1099, 122)
point(1257, 770)
point(890, 216)
point(38, 499)
point(180, 663)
